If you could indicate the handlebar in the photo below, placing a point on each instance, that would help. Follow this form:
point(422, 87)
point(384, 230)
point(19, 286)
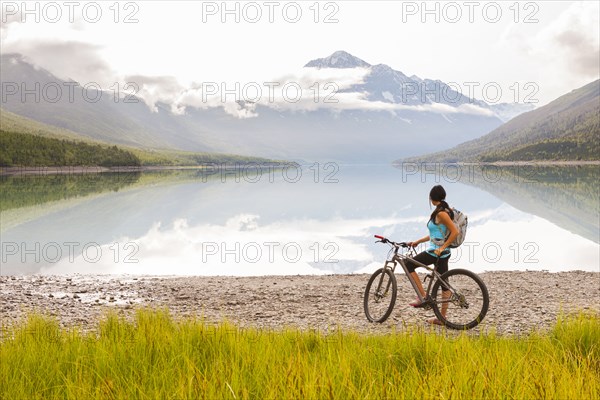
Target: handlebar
point(386, 240)
point(395, 244)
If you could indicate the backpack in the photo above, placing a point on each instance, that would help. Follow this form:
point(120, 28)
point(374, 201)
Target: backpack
point(460, 221)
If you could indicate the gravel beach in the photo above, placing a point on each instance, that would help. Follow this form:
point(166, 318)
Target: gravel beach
point(519, 301)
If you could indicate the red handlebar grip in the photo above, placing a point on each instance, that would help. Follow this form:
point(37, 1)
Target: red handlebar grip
point(379, 237)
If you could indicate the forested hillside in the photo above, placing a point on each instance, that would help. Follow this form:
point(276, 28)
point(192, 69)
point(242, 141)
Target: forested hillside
point(567, 129)
point(27, 150)
point(17, 124)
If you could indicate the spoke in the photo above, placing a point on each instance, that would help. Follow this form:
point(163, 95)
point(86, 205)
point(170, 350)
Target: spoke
point(380, 296)
point(463, 305)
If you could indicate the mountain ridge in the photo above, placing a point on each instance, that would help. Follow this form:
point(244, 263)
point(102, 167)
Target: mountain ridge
point(391, 124)
point(567, 128)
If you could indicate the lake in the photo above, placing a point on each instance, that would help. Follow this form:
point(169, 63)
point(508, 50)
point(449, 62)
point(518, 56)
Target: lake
point(317, 219)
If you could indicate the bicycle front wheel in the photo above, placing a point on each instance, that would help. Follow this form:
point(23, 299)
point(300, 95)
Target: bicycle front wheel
point(380, 295)
point(461, 299)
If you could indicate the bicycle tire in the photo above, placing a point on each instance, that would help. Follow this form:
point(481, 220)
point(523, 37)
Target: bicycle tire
point(471, 292)
point(372, 299)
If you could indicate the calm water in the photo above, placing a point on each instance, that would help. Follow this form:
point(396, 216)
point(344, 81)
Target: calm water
point(317, 220)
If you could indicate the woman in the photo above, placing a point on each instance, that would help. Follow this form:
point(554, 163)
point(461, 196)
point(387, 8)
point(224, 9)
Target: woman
point(439, 224)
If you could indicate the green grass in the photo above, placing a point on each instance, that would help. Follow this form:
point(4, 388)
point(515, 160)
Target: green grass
point(155, 356)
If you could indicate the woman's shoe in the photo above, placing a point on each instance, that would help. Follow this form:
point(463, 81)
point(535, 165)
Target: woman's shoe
point(435, 321)
point(419, 304)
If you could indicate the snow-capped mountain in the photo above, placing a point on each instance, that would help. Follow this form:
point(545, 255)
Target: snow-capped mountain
point(401, 118)
point(339, 59)
point(385, 84)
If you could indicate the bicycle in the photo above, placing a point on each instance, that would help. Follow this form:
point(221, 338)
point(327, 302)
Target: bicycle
point(465, 306)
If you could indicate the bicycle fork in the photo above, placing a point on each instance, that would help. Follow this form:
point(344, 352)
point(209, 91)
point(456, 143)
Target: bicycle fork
point(381, 292)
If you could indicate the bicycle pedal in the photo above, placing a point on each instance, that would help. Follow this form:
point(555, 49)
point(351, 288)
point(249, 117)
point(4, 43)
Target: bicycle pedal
point(425, 304)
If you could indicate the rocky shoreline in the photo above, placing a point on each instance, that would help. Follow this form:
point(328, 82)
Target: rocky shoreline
point(520, 301)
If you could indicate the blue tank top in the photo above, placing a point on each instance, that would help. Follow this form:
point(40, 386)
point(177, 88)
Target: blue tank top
point(437, 233)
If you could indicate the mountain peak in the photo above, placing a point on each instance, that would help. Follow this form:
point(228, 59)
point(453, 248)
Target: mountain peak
point(13, 58)
point(382, 67)
point(339, 59)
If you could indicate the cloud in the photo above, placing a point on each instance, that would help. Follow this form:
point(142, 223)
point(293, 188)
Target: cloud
point(154, 89)
point(576, 35)
point(559, 53)
point(68, 60)
point(8, 19)
point(304, 90)
point(241, 246)
point(582, 50)
point(503, 238)
point(571, 41)
point(307, 90)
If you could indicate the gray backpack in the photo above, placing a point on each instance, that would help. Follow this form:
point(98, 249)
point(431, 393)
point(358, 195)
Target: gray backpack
point(460, 221)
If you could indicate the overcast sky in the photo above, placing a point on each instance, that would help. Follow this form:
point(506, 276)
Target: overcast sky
point(554, 45)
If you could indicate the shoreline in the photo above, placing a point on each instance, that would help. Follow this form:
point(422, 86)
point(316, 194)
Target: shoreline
point(519, 301)
point(540, 163)
point(210, 166)
point(81, 170)
point(534, 163)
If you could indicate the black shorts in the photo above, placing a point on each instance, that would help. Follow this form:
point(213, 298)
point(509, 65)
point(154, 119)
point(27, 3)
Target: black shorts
point(428, 259)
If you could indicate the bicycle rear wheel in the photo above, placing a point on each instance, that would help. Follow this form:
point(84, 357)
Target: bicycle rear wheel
point(380, 295)
point(461, 299)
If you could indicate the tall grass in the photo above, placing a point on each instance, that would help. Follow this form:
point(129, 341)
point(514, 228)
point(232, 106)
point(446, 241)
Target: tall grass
point(155, 356)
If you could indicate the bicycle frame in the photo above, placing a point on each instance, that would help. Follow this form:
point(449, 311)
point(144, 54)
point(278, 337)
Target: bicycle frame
point(401, 259)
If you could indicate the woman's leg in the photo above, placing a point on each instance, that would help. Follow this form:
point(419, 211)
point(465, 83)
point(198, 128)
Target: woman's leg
point(424, 258)
point(442, 268)
point(417, 280)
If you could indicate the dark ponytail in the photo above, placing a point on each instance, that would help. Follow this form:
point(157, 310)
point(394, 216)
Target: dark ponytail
point(438, 193)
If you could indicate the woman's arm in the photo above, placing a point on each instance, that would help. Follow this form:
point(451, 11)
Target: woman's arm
point(417, 242)
point(444, 218)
